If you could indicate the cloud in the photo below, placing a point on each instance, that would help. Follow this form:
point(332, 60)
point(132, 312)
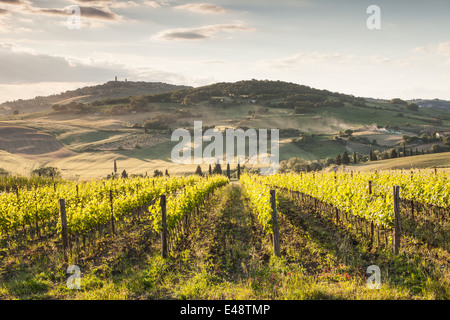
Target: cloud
point(183, 35)
point(20, 66)
point(441, 48)
point(11, 1)
point(203, 8)
point(135, 4)
point(322, 58)
point(90, 12)
point(98, 13)
point(92, 1)
point(437, 53)
point(201, 33)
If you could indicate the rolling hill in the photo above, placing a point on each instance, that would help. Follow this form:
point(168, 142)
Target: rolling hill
point(111, 89)
point(98, 126)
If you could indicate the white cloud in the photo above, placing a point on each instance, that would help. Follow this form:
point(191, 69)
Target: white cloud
point(201, 33)
point(20, 65)
point(203, 8)
point(441, 48)
point(313, 58)
point(137, 4)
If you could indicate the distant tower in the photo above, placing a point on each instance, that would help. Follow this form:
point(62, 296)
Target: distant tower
point(116, 78)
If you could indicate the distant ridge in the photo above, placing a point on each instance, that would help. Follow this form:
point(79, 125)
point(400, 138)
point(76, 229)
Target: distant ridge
point(110, 89)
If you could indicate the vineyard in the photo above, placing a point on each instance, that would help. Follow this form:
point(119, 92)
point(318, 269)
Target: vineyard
point(364, 203)
point(285, 236)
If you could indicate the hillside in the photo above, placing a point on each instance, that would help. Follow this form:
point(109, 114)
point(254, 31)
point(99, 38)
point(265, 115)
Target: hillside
point(433, 104)
point(111, 89)
point(315, 125)
point(439, 160)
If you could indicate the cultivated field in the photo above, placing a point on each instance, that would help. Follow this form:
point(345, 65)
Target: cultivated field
point(220, 239)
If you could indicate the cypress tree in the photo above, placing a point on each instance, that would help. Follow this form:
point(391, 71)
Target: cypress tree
point(198, 171)
point(345, 158)
point(393, 154)
point(217, 169)
point(338, 159)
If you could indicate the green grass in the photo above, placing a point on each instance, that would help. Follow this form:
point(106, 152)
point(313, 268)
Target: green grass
point(321, 147)
point(427, 161)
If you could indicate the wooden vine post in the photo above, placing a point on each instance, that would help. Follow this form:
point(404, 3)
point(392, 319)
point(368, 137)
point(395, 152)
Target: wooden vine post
point(62, 209)
point(372, 226)
point(276, 234)
point(397, 227)
point(164, 227)
point(112, 212)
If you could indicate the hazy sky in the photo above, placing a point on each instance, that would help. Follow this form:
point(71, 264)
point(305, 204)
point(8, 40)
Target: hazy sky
point(324, 44)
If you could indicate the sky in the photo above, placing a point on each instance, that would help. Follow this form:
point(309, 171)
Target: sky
point(324, 44)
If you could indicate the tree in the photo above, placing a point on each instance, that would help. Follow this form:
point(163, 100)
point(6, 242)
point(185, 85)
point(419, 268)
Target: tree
point(124, 174)
point(47, 172)
point(345, 158)
point(447, 141)
point(217, 169)
point(393, 153)
point(210, 170)
point(238, 171)
point(157, 173)
point(330, 161)
point(355, 159)
point(167, 173)
point(398, 101)
point(198, 171)
point(338, 159)
point(228, 170)
point(412, 107)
